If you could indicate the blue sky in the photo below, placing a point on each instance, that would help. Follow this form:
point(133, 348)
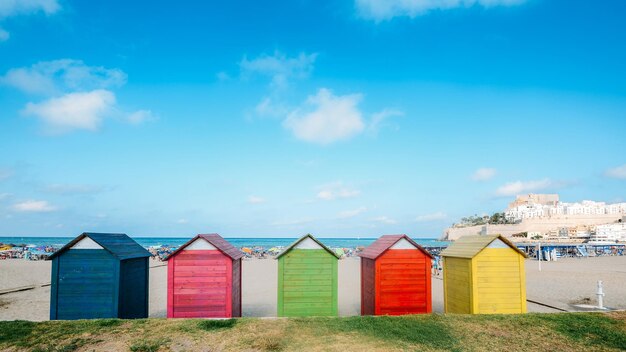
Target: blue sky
point(339, 118)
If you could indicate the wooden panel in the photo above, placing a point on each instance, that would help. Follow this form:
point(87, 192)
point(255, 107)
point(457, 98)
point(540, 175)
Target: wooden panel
point(87, 284)
point(457, 285)
point(307, 283)
point(54, 279)
point(200, 285)
point(134, 289)
point(403, 282)
point(368, 289)
point(499, 287)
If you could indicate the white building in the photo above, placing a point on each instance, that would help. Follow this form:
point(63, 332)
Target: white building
point(520, 211)
point(609, 233)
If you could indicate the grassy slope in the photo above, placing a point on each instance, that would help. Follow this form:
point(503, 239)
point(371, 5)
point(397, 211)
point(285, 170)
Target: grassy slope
point(551, 332)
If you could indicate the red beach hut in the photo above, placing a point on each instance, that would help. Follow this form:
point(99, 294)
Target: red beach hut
point(395, 277)
point(204, 279)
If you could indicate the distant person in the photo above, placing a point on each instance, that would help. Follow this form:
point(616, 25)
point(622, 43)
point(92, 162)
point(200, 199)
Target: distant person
point(436, 261)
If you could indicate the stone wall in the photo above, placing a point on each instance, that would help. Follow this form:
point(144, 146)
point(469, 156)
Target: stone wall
point(542, 225)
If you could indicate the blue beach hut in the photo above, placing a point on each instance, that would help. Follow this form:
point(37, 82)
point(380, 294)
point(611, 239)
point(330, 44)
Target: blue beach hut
point(99, 275)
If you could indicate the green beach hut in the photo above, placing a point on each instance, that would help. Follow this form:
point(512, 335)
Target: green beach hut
point(307, 279)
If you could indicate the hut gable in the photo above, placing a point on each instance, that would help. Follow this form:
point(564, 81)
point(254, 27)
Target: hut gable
point(386, 242)
point(307, 242)
point(200, 245)
point(118, 244)
point(86, 243)
point(209, 242)
point(470, 246)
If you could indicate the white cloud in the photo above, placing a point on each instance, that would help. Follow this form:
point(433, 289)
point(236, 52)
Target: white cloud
point(519, 187)
point(379, 10)
point(483, 174)
point(617, 172)
point(182, 221)
point(4, 35)
point(10, 8)
point(279, 67)
point(431, 217)
point(384, 220)
point(326, 118)
point(34, 206)
point(336, 190)
point(269, 107)
point(78, 96)
point(140, 116)
point(379, 119)
point(19, 7)
point(73, 111)
point(59, 76)
point(351, 213)
point(255, 200)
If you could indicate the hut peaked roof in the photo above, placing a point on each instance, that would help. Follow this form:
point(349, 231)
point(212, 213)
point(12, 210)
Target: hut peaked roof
point(470, 246)
point(216, 241)
point(383, 243)
point(308, 235)
point(118, 244)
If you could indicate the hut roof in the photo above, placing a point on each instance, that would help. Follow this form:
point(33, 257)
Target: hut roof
point(383, 243)
point(118, 244)
point(308, 235)
point(470, 246)
point(217, 241)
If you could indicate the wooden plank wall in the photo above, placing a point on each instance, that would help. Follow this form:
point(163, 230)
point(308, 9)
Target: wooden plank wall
point(457, 285)
point(200, 285)
point(54, 281)
point(236, 288)
point(307, 283)
point(500, 285)
point(87, 287)
point(403, 282)
point(368, 286)
point(133, 289)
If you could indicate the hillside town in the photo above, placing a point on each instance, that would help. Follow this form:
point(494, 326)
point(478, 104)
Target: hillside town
point(543, 217)
point(548, 205)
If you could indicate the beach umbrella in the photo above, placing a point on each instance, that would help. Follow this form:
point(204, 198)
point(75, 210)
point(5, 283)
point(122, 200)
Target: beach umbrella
point(246, 250)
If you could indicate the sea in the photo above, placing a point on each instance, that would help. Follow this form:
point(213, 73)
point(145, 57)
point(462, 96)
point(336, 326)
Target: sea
point(264, 242)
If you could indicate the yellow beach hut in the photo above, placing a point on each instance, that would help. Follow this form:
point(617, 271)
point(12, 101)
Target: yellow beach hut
point(484, 275)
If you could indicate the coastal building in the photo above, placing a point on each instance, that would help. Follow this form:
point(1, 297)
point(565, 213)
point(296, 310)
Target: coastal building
point(395, 277)
point(539, 206)
point(307, 279)
point(204, 279)
point(99, 275)
point(484, 275)
point(609, 233)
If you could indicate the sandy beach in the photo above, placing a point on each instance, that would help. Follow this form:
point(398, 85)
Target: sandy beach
point(559, 284)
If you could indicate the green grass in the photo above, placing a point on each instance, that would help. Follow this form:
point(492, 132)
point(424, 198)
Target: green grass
point(592, 329)
point(216, 324)
point(435, 332)
point(428, 330)
point(146, 345)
